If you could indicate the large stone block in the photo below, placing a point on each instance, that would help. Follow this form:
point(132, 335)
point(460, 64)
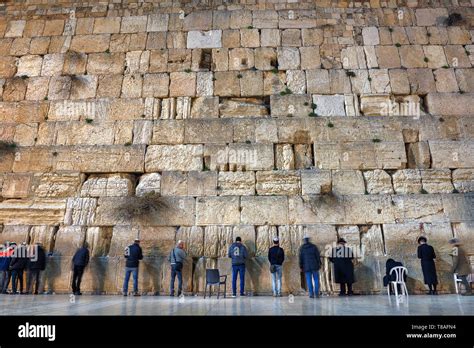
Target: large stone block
point(236, 184)
point(315, 182)
point(264, 210)
point(347, 182)
point(111, 185)
point(278, 182)
point(218, 210)
point(204, 39)
point(463, 180)
point(174, 157)
point(449, 103)
point(436, 180)
point(332, 105)
point(452, 154)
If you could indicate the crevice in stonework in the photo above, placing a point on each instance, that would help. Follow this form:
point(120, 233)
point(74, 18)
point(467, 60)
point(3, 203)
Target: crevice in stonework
point(383, 240)
point(53, 238)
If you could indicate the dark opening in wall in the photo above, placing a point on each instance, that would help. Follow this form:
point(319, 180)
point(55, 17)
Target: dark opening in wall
point(205, 62)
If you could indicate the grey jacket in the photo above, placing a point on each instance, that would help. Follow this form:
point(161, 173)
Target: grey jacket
point(180, 256)
point(238, 253)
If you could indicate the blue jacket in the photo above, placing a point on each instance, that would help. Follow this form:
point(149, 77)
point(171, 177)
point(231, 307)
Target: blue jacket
point(81, 257)
point(309, 257)
point(238, 253)
point(4, 263)
point(133, 254)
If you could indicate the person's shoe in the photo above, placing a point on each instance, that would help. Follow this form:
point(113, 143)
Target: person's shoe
point(342, 294)
point(234, 295)
point(78, 293)
point(274, 295)
point(430, 292)
point(179, 293)
point(35, 293)
point(125, 294)
point(136, 294)
point(435, 292)
point(311, 296)
point(243, 294)
point(350, 294)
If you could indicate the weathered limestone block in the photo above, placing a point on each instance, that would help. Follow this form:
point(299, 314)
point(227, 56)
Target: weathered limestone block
point(278, 182)
point(24, 112)
point(264, 210)
point(445, 104)
point(445, 81)
point(358, 155)
point(57, 185)
point(368, 209)
point(68, 240)
point(29, 65)
point(16, 186)
point(15, 28)
point(236, 184)
point(217, 240)
point(90, 43)
point(145, 211)
point(388, 57)
point(290, 105)
point(105, 63)
point(204, 39)
point(83, 87)
point(148, 184)
point(73, 63)
point(80, 211)
point(347, 182)
point(303, 156)
point(107, 25)
point(288, 58)
point(412, 56)
point(419, 155)
point(168, 132)
point(264, 239)
point(378, 182)
point(370, 35)
point(423, 208)
point(399, 82)
point(8, 66)
point(205, 107)
point(193, 238)
point(375, 105)
point(157, 22)
point(421, 81)
point(226, 84)
point(174, 183)
point(273, 82)
point(315, 182)
point(285, 158)
point(53, 64)
point(351, 234)
point(452, 154)
point(466, 80)
point(133, 24)
point(242, 107)
point(332, 105)
point(37, 212)
point(202, 183)
point(251, 83)
point(314, 209)
point(15, 233)
point(318, 81)
point(249, 156)
point(208, 131)
point(458, 207)
point(436, 180)
point(407, 181)
point(14, 89)
point(43, 234)
point(173, 157)
point(111, 185)
point(217, 210)
point(463, 180)
point(241, 59)
point(25, 134)
point(435, 56)
point(430, 16)
point(204, 84)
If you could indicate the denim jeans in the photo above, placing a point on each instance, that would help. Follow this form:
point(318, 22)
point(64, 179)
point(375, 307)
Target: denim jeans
point(128, 271)
point(3, 280)
point(309, 282)
point(276, 280)
point(175, 273)
point(238, 269)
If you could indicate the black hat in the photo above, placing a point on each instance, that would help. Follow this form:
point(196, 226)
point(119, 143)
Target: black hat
point(422, 238)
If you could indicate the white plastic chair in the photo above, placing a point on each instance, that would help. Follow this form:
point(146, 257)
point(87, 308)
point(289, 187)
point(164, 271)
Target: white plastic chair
point(457, 280)
point(400, 273)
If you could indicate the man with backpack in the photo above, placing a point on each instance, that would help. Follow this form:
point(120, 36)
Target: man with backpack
point(133, 255)
point(310, 263)
point(276, 256)
point(238, 254)
point(176, 259)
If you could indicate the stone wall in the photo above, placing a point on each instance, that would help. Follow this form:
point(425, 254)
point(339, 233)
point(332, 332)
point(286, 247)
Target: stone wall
point(208, 120)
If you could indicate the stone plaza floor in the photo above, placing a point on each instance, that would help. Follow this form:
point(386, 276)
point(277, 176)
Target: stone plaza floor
point(257, 305)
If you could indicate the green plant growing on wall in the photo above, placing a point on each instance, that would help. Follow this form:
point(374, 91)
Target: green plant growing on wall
point(150, 204)
point(7, 147)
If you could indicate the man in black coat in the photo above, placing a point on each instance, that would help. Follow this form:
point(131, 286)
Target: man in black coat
point(17, 267)
point(276, 257)
point(79, 262)
point(427, 255)
point(36, 264)
point(341, 257)
point(310, 263)
point(133, 254)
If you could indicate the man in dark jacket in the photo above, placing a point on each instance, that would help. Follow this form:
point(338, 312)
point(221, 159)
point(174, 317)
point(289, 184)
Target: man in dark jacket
point(5, 259)
point(36, 264)
point(238, 254)
point(176, 258)
point(342, 257)
point(461, 265)
point(17, 267)
point(276, 256)
point(310, 263)
point(133, 254)
point(427, 256)
point(80, 261)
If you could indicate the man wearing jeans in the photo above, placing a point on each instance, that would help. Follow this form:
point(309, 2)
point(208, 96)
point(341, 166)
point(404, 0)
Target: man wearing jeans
point(133, 254)
point(276, 256)
point(310, 263)
point(176, 259)
point(238, 254)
